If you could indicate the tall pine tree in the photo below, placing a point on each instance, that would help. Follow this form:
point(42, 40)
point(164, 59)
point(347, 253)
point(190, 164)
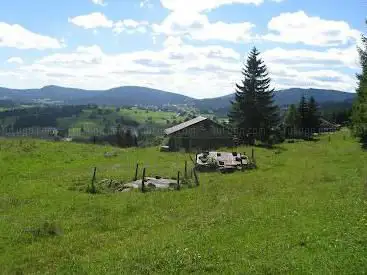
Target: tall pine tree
point(253, 110)
point(313, 116)
point(302, 114)
point(308, 116)
point(359, 113)
point(291, 121)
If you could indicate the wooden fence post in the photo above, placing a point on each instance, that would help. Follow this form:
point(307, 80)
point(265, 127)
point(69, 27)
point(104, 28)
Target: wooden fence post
point(93, 189)
point(136, 171)
point(178, 180)
point(185, 169)
point(143, 182)
point(196, 176)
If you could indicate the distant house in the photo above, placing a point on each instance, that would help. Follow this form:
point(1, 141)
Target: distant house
point(201, 133)
point(324, 127)
point(327, 126)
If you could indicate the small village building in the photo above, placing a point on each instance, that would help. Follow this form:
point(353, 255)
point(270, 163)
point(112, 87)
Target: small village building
point(327, 126)
point(200, 133)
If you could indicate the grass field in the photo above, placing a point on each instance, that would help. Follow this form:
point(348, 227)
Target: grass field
point(157, 118)
point(303, 211)
point(98, 120)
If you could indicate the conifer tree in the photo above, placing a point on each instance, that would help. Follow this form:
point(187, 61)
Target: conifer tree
point(313, 116)
point(120, 136)
point(359, 113)
point(129, 138)
point(303, 115)
point(291, 121)
point(253, 110)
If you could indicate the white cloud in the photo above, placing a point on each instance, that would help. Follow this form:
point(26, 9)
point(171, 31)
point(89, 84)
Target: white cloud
point(130, 25)
point(15, 36)
point(15, 60)
point(172, 41)
point(312, 69)
point(92, 21)
point(346, 57)
point(202, 5)
point(177, 67)
point(197, 26)
point(146, 4)
point(205, 71)
point(199, 71)
point(233, 32)
point(322, 79)
point(83, 56)
point(99, 20)
point(188, 19)
point(99, 2)
point(298, 27)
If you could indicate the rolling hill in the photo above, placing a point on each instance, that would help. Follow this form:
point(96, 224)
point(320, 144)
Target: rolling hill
point(284, 97)
point(135, 95)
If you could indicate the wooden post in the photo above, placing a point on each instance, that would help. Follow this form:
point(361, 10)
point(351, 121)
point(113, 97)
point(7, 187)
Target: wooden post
point(185, 169)
point(252, 153)
point(93, 189)
point(193, 159)
point(178, 180)
point(136, 171)
point(329, 138)
point(196, 177)
point(143, 182)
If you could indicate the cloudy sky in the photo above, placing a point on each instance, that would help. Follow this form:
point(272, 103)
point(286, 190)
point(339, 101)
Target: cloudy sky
point(192, 47)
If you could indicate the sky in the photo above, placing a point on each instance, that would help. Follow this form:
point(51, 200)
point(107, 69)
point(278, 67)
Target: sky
point(192, 47)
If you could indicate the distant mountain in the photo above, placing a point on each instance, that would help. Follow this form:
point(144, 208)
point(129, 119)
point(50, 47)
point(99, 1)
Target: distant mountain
point(293, 95)
point(53, 93)
point(6, 103)
point(134, 95)
point(283, 98)
point(127, 96)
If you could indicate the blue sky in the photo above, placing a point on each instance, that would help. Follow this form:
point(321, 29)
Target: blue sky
point(193, 47)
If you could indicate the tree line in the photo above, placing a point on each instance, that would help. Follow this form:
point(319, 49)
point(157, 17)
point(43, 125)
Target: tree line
point(256, 118)
point(253, 110)
point(359, 112)
point(303, 120)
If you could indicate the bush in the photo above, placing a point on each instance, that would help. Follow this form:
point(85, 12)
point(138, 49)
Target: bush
point(46, 229)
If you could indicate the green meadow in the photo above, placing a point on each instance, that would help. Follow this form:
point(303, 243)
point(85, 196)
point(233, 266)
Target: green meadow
point(109, 116)
point(302, 211)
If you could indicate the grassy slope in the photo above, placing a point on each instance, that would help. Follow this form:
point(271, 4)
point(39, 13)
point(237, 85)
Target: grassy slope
point(302, 211)
point(141, 116)
point(75, 123)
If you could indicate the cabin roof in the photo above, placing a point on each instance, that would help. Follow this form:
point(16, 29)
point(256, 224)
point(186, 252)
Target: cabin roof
point(325, 123)
point(184, 125)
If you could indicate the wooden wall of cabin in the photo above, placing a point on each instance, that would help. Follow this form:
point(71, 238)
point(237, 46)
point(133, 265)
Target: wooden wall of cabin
point(203, 136)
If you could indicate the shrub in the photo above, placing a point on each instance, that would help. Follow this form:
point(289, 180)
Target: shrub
point(46, 229)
